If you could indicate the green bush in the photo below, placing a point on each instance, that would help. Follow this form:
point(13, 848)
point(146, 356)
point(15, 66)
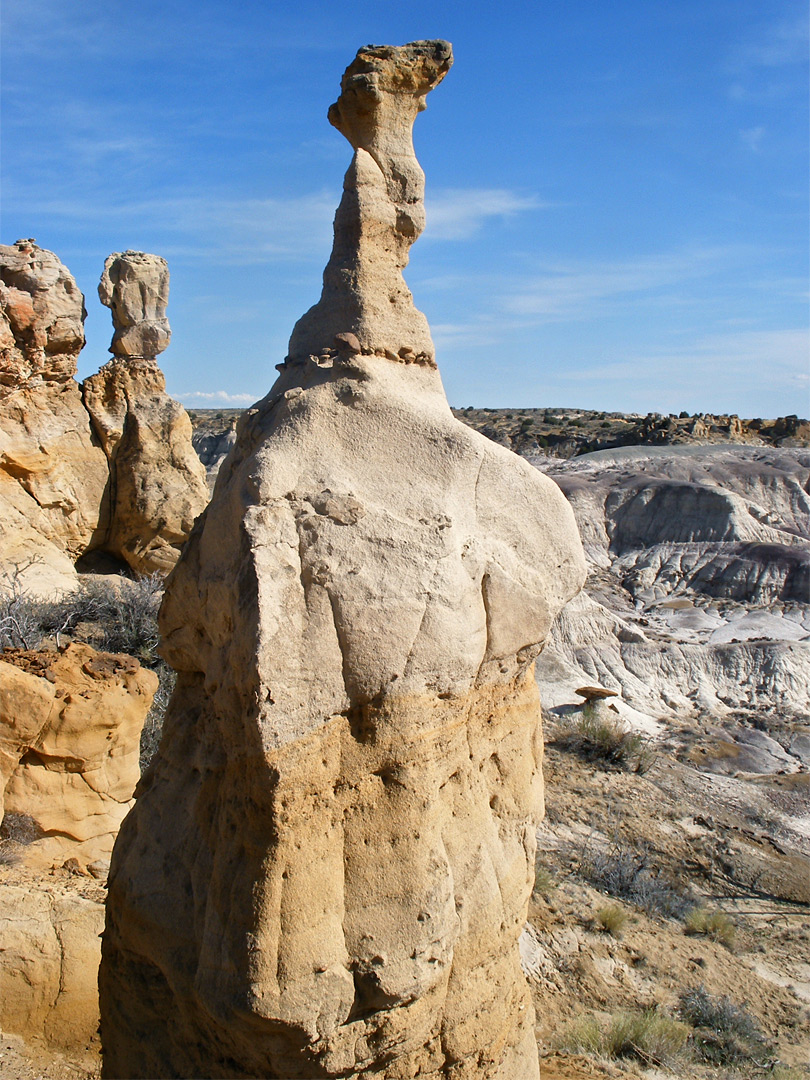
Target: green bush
point(604, 739)
point(651, 1036)
point(713, 924)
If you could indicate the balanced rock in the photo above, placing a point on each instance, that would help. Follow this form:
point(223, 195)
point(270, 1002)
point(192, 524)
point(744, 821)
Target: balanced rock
point(328, 866)
point(135, 286)
point(158, 483)
point(70, 726)
point(53, 477)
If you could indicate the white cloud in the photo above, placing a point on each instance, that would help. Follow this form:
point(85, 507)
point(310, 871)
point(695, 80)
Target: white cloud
point(752, 372)
point(234, 231)
point(458, 213)
point(218, 397)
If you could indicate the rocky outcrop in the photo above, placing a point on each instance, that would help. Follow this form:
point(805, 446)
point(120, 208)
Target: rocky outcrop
point(157, 482)
point(381, 213)
point(70, 725)
point(53, 476)
point(50, 944)
point(328, 865)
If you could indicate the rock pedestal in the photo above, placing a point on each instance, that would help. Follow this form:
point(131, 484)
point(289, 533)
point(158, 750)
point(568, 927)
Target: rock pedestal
point(329, 862)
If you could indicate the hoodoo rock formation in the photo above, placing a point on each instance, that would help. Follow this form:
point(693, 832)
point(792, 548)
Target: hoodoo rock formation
point(53, 476)
point(106, 467)
point(329, 861)
point(157, 482)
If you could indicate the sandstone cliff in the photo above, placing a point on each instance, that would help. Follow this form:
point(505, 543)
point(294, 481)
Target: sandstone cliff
point(329, 862)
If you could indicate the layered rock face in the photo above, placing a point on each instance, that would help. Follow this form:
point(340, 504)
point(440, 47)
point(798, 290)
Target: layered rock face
point(70, 726)
point(328, 865)
point(53, 476)
point(698, 600)
point(157, 482)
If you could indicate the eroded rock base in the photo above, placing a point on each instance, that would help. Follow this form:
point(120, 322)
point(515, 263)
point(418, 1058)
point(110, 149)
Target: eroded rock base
point(355, 897)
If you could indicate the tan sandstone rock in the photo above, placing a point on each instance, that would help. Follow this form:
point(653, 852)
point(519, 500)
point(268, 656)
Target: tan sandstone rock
point(158, 483)
point(50, 944)
point(70, 725)
point(53, 477)
point(328, 866)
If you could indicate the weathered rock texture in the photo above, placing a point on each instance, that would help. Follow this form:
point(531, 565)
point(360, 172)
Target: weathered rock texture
point(382, 210)
point(50, 944)
point(135, 286)
point(328, 865)
point(53, 476)
point(158, 484)
point(698, 600)
point(70, 725)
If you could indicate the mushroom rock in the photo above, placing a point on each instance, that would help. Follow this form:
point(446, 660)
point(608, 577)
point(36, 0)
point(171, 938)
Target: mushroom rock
point(329, 862)
point(158, 484)
point(53, 476)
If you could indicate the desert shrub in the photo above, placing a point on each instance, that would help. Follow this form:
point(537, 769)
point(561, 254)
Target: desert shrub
point(607, 740)
point(651, 1036)
point(20, 623)
point(16, 831)
point(628, 874)
point(544, 882)
point(612, 918)
point(724, 1033)
point(582, 1036)
point(713, 924)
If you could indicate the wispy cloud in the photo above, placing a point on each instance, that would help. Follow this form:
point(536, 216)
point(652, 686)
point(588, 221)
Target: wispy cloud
point(459, 213)
point(568, 290)
point(239, 232)
point(714, 368)
point(785, 42)
point(752, 137)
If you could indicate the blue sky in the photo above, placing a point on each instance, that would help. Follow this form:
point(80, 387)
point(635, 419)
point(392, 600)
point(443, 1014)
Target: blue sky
point(617, 193)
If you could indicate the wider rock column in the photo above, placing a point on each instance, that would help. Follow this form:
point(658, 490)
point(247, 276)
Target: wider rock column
point(329, 862)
